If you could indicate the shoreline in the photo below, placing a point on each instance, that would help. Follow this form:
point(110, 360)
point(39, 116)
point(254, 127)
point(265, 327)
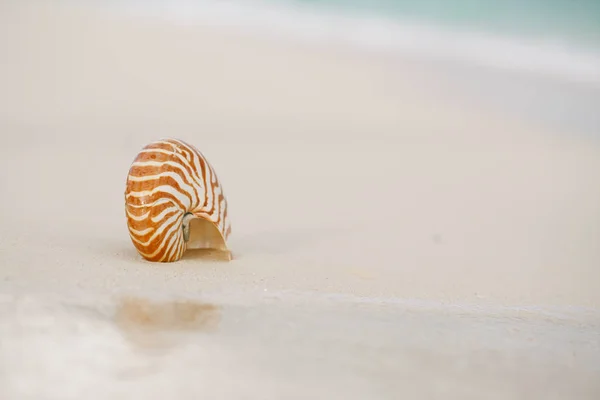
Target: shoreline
point(316, 26)
point(544, 101)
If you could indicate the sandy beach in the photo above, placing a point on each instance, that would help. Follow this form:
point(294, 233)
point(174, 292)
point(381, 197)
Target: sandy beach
point(393, 235)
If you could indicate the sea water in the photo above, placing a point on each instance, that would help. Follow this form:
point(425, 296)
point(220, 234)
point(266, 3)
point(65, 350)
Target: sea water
point(538, 60)
point(553, 37)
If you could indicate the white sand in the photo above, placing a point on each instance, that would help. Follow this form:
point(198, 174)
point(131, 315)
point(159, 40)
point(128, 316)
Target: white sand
point(393, 237)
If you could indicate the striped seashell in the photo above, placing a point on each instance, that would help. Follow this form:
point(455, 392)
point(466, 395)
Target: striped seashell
point(174, 202)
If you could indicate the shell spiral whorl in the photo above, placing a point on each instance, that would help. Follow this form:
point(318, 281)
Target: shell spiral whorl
point(170, 184)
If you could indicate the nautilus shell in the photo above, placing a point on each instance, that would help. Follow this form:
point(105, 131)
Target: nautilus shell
point(174, 202)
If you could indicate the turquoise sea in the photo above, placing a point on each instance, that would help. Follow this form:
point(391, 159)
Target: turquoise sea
point(560, 37)
point(573, 21)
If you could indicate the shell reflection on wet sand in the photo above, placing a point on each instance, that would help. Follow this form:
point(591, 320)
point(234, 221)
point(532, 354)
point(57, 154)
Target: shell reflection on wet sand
point(148, 323)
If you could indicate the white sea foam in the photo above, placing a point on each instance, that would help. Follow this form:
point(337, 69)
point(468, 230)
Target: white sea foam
point(377, 33)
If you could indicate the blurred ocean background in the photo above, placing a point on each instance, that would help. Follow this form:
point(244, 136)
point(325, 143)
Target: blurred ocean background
point(558, 37)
